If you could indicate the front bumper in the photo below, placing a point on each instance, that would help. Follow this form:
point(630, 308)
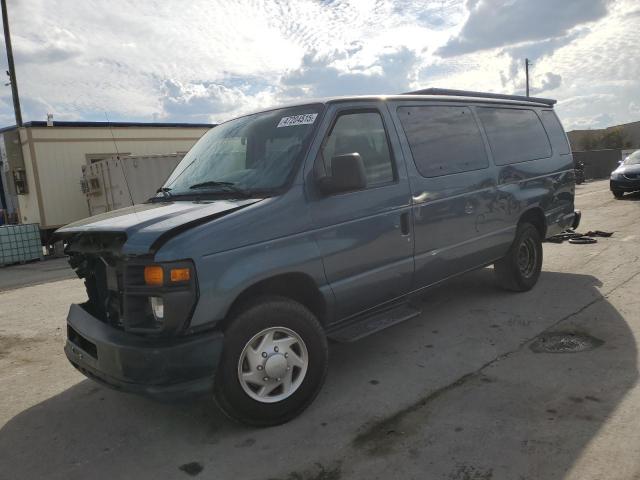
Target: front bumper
point(560, 222)
point(166, 367)
point(624, 185)
point(577, 216)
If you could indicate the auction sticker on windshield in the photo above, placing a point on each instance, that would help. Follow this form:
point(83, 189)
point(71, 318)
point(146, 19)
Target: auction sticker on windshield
point(304, 119)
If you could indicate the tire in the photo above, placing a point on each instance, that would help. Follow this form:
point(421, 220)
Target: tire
point(286, 321)
point(617, 193)
point(519, 270)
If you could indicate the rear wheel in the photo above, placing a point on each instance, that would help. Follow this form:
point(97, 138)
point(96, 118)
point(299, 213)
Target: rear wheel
point(519, 270)
point(274, 362)
point(617, 193)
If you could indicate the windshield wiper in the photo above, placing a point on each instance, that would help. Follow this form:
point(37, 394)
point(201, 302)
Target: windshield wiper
point(165, 191)
point(226, 186)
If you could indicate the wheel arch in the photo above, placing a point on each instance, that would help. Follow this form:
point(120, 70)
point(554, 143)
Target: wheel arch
point(297, 286)
point(537, 218)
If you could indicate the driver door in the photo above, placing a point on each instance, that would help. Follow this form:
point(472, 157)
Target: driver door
point(365, 236)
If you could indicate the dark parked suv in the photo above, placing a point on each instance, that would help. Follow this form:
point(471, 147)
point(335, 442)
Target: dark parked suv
point(285, 228)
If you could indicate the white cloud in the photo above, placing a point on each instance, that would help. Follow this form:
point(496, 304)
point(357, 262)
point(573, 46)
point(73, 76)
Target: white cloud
point(318, 76)
point(207, 60)
point(496, 23)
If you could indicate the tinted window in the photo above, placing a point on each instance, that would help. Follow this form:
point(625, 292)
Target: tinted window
point(361, 133)
point(514, 135)
point(443, 140)
point(555, 131)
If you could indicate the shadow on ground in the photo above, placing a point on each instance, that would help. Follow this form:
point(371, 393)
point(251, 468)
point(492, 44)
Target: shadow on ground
point(456, 392)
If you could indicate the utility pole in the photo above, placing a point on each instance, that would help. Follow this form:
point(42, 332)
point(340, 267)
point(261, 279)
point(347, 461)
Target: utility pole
point(12, 70)
point(526, 70)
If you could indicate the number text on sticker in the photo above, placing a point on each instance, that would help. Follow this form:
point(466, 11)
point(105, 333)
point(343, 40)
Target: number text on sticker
point(304, 119)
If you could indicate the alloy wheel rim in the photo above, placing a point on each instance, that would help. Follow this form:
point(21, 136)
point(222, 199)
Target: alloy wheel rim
point(273, 364)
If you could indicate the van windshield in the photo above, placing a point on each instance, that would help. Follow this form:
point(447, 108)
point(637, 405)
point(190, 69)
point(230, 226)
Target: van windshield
point(251, 155)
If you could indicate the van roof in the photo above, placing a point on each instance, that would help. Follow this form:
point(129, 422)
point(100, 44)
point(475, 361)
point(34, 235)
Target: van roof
point(484, 95)
point(438, 94)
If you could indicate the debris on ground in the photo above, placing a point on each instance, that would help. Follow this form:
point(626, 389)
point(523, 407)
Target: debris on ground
point(578, 238)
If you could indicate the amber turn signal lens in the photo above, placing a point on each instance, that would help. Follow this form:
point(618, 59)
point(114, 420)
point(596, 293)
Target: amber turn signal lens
point(153, 275)
point(180, 274)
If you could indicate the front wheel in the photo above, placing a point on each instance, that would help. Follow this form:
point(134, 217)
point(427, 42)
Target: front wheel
point(617, 193)
point(519, 270)
point(274, 362)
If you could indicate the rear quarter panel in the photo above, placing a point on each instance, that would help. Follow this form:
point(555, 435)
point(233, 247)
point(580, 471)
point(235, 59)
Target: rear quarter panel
point(546, 183)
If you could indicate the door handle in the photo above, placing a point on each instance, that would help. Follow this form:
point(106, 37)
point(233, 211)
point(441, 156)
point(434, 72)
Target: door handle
point(468, 208)
point(420, 198)
point(405, 227)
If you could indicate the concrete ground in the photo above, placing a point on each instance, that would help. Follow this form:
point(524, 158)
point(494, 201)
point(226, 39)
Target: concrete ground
point(34, 273)
point(454, 394)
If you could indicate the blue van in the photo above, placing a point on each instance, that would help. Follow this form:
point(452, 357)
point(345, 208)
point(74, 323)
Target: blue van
point(322, 220)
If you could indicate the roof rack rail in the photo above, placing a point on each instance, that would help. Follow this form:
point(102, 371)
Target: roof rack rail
point(467, 93)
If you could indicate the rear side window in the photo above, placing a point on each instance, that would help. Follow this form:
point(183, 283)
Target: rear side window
point(362, 133)
point(515, 135)
point(555, 131)
point(443, 140)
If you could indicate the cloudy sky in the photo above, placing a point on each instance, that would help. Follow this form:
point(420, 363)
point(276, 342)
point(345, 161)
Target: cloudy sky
point(206, 60)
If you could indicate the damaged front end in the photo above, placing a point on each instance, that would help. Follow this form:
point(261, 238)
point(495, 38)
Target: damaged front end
point(121, 292)
point(132, 333)
point(96, 258)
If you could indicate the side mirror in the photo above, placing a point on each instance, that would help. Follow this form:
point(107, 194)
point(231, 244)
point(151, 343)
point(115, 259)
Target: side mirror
point(347, 174)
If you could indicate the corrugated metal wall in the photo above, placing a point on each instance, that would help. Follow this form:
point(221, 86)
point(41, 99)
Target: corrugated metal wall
point(598, 163)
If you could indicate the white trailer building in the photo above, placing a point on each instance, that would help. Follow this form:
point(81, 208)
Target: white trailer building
point(41, 167)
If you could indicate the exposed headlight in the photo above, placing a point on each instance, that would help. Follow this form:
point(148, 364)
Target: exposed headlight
point(616, 176)
point(159, 298)
point(157, 307)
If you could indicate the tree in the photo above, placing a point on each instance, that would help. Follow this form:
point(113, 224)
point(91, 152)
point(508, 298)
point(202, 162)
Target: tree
point(611, 138)
point(614, 138)
point(590, 141)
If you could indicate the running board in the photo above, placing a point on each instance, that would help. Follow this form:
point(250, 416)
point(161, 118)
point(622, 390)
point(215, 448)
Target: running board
point(362, 327)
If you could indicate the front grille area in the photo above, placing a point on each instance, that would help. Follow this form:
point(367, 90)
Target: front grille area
point(631, 176)
point(102, 282)
point(117, 294)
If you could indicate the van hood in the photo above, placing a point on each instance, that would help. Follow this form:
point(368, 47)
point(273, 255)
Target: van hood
point(622, 169)
point(147, 226)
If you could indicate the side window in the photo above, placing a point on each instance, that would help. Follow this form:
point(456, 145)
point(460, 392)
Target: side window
point(515, 135)
point(443, 140)
point(361, 133)
point(555, 131)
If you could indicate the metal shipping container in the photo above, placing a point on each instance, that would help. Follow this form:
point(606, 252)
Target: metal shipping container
point(121, 181)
